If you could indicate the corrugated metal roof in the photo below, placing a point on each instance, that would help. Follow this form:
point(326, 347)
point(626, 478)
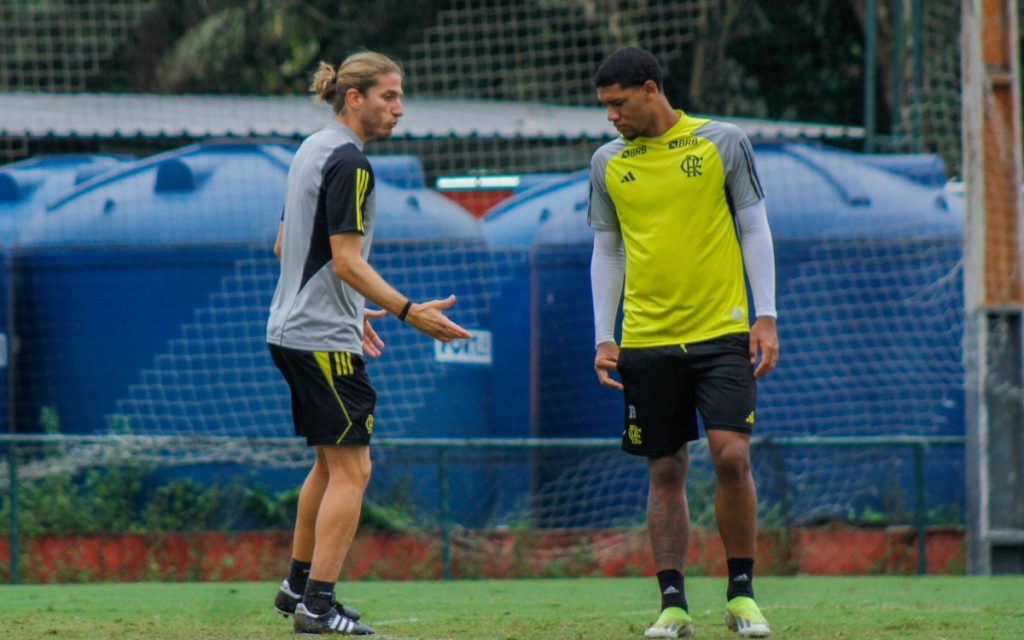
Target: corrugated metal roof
point(37, 115)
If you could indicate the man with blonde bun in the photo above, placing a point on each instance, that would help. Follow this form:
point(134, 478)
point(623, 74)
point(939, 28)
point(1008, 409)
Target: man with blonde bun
point(318, 330)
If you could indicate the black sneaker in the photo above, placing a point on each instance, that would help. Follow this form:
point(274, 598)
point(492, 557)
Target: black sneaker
point(330, 622)
point(287, 600)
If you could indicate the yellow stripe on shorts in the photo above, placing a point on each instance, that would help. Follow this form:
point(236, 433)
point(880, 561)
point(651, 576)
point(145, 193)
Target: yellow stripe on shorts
point(323, 359)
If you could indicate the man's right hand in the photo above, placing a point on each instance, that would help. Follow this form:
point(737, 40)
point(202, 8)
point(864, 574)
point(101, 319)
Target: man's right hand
point(429, 318)
point(606, 361)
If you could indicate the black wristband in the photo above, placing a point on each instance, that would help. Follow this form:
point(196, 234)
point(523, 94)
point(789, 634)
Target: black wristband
point(405, 310)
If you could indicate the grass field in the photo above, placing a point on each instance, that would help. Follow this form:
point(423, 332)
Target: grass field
point(907, 608)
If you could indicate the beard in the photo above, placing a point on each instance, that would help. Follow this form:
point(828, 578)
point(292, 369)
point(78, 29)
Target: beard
point(377, 126)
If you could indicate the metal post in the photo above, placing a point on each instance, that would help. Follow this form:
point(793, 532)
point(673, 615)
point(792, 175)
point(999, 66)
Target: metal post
point(917, 18)
point(15, 533)
point(897, 71)
point(445, 513)
point(920, 517)
point(993, 285)
point(870, 70)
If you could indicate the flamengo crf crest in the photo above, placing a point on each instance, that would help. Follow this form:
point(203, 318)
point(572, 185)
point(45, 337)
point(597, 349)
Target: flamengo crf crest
point(691, 166)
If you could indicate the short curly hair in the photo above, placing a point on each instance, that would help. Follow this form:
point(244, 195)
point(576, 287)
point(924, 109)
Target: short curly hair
point(629, 67)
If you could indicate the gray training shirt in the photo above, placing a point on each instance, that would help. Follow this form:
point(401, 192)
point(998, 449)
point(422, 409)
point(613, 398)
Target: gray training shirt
point(330, 191)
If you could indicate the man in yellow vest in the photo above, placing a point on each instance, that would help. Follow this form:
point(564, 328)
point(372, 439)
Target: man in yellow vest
point(678, 215)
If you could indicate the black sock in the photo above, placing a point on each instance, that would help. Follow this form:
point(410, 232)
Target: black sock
point(741, 578)
point(318, 597)
point(670, 581)
point(298, 574)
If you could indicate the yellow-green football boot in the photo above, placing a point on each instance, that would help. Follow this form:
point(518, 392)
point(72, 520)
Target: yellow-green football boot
point(743, 616)
point(673, 622)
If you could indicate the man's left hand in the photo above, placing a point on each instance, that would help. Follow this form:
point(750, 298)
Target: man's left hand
point(372, 344)
point(764, 338)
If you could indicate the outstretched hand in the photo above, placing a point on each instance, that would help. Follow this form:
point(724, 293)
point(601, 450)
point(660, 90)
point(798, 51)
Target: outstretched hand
point(605, 361)
point(764, 338)
point(372, 344)
point(429, 318)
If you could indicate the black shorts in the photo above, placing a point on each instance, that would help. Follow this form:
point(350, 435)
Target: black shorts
point(665, 387)
point(332, 398)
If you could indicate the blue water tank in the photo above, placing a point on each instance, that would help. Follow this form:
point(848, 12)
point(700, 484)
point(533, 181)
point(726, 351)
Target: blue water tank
point(527, 181)
point(869, 298)
point(514, 222)
point(5, 341)
point(27, 185)
point(509, 229)
point(428, 248)
point(108, 275)
point(403, 170)
point(871, 318)
point(561, 289)
point(922, 168)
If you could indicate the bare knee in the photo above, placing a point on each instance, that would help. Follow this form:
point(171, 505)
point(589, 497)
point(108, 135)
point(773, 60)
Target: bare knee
point(320, 471)
point(357, 474)
point(732, 462)
point(668, 473)
point(349, 466)
point(367, 471)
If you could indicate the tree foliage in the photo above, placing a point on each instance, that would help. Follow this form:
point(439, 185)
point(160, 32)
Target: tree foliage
point(800, 60)
point(265, 47)
point(793, 61)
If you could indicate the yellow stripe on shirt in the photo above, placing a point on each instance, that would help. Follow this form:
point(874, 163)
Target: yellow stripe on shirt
point(362, 182)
